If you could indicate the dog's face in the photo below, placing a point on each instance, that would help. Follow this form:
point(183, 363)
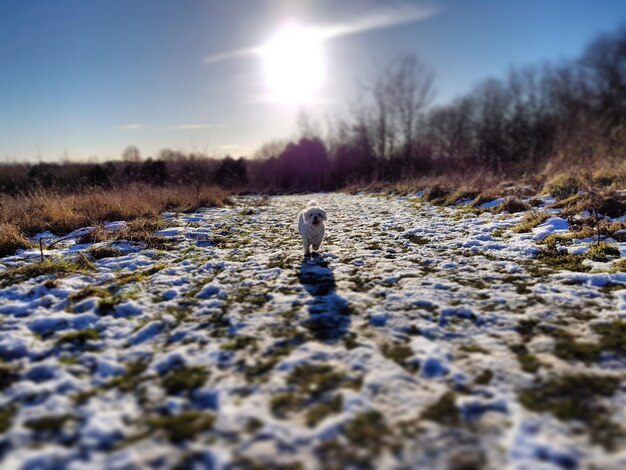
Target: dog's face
point(315, 216)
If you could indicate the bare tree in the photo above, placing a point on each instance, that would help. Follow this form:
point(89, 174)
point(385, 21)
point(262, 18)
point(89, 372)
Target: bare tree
point(131, 154)
point(392, 107)
point(410, 91)
point(271, 149)
point(307, 127)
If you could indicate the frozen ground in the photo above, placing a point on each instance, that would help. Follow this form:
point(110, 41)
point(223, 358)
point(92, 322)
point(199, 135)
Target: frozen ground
point(421, 337)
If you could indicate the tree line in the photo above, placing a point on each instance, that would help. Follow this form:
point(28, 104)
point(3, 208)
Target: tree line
point(536, 118)
point(567, 114)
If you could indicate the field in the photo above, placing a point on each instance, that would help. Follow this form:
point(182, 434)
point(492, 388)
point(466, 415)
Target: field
point(422, 336)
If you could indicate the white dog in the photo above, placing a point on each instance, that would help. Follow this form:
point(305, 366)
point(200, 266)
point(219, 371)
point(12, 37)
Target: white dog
point(311, 227)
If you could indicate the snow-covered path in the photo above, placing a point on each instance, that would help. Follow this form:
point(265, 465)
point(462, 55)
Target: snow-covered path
point(421, 337)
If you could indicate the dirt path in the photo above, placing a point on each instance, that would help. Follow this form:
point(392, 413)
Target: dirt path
point(420, 337)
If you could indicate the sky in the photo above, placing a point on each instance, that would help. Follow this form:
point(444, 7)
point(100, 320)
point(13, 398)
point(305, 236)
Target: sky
point(82, 79)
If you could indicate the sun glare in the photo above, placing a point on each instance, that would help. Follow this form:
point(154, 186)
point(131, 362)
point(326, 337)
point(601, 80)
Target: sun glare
point(294, 65)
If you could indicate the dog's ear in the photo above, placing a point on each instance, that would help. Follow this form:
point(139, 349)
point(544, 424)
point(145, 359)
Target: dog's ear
point(305, 216)
point(323, 212)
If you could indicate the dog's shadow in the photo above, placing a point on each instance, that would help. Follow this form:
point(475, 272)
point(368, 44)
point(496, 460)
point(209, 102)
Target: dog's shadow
point(329, 313)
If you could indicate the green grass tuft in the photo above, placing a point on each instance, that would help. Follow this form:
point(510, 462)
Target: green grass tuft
point(185, 379)
point(530, 221)
point(315, 379)
point(602, 251)
point(367, 430)
point(48, 267)
point(443, 411)
point(79, 336)
point(6, 418)
point(51, 425)
point(285, 403)
point(577, 397)
point(8, 375)
point(562, 260)
point(418, 240)
point(184, 426)
point(399, 353)
point(89, 291)
point(319, 412)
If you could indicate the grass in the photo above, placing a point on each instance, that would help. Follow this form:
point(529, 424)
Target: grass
point(612, 338)
point(606, 203)
point(12, 239)
point(484, 378)
point(319, 412)
point(28, 214)
point(184, 379)
point(311, 387)
point(460, 195)
point(473, 348)
point(140, 230)
point(367, 430)
point(526, 327)
point(418, 240)
point(6, 418)
point(561, 259)
point(79, 336)
point(566, 347)
point(240, 342)
point(129, 380)
point(577, 397)
point(562, 186)
point(49, 425)
point(558, 259)
point(88, 291)
point(399, 353)
point(443, 411)
point(8, 375)
point(512, 205)
point(602, 251)
point(48, 267)
point(101, 252)
point(436, 194)
point(184, 426)
point(284, 403)
point(530, 221)
point(486, 195)
point(528, 362)
point(619, 266)
point(315, 379)
point(559, 239)
point(42, 210)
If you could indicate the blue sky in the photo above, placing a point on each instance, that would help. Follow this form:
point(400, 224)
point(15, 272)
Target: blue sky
point(84, 78)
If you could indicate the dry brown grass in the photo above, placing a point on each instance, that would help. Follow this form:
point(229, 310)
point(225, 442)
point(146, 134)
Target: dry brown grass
point(26, 215)
point(512, 205)
point(138, 230)
point(608, 203)
point(442, 189)
point(11, 239)
point(557, 177)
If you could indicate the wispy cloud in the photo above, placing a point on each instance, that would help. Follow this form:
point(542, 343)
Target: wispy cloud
point(230, 55)
point(131, 127)
point(400, 14)
point(385, 18)
point(193, 127)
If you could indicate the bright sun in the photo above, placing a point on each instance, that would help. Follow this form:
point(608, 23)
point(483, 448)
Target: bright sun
point(294, 65)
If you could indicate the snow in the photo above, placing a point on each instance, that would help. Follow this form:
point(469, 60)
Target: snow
point(235, 298)
point(491, 204)
point(550, 227)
